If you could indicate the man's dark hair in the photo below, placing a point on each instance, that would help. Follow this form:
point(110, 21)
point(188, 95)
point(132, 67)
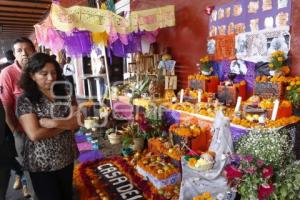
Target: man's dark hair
point(24, 40)
point(10, 55)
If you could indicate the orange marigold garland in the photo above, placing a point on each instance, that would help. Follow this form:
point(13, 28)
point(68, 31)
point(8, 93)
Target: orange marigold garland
point(90, 186)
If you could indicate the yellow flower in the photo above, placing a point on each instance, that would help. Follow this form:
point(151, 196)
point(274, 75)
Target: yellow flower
point(288, 88)
point(280, 59)
point(298, 83)
point(271, 65)
point(292, 83)
point(206, 195)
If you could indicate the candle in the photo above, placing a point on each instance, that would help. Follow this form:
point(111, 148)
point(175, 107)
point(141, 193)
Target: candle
point(181, 96)
point(238, 104)
point(199, 95)
point(275, 110)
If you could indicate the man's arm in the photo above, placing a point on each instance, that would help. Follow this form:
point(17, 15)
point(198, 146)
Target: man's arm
point(11, 118)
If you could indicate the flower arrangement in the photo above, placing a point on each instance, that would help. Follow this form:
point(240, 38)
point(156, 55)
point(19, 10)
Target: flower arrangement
point(277, 62)
point(266, 144)
point(206, 65)
point(293, 93)
point(252, 178)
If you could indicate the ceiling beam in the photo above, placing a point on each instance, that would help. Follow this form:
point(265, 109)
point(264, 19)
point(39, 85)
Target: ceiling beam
point(22, 16)
point(16, 22)
point(26, 10)
point(18, 19)
point(17, 26)
point(23, 4)
point(34, 1)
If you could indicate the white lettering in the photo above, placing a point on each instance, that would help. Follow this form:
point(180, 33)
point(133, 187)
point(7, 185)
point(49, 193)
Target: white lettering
point(125, 188)
point(119, 180)
point(104, 166)
point(123, 195)
point(113, 175)
point(108, 170)
point(135, 197)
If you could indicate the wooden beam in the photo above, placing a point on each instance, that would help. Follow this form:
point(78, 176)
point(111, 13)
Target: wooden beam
point(24, 4)
point(19, 14)
point(26, 10)
point(12, 14)
point(17, 30)
point(15, 22)
point(34, 1)
point(19, 19)
point(17, 26)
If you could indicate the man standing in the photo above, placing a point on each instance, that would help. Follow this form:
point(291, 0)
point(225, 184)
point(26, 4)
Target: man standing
point(23, 48)
point(68, 72)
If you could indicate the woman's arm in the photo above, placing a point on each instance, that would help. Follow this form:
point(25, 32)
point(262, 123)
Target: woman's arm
point(33, 129)
point(70, 123)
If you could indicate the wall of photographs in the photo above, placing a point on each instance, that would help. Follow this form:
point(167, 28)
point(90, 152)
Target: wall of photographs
point(249, 16)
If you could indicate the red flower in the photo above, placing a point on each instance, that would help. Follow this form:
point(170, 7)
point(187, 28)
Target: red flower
point(264, 191)
point(267, 172)
point(231, 172)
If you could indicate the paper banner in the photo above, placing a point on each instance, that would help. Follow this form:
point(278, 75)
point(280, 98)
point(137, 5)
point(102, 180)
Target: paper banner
point(152, 19)
point(224, 47)
point(258, 46)
point(95, 20)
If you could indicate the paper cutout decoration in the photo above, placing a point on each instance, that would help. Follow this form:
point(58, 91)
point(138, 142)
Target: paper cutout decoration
point(95, 20)
point(267, 5)
point(269, 22)
point(282, 19)
point(258, 46)
point(220, 13)
point(253, 6)
point(282, 3)
point(279, 44)
point(224, 47)
point(230, 28)
point(211, 46)
point(238, 67)
point(254, 25)
point(237, 10)
point(243, 14)
point(227, 12)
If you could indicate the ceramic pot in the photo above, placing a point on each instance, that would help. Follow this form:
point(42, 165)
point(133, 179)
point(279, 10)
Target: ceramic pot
point(114, 138)
point(138, 144)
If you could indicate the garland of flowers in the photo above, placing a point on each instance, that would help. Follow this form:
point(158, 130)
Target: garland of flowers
point(91, 188)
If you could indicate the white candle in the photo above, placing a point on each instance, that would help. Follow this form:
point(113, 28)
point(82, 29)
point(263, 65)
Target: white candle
point(275, 110)
point(238, 104)
point(199, 95)
point(181, 96)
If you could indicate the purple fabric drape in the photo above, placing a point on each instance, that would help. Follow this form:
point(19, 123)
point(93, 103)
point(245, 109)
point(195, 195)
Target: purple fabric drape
point(222, 69)
point(134, 45)
point(77, 43)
